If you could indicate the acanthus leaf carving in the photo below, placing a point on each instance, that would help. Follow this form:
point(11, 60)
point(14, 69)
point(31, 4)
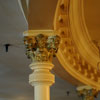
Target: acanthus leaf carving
point(41, 48)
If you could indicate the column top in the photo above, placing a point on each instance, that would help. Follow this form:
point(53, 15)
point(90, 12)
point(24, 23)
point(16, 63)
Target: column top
point(84, 87)
point(41, 47)
point(36, 32)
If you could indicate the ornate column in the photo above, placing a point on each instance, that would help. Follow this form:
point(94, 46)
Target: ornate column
point(87, 92)
point(41, 47)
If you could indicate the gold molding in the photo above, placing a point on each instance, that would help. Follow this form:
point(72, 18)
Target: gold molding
point(69, 54)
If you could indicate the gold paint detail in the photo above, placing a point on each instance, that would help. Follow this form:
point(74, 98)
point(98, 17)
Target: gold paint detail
point(41, 48)
point(68, 54)
point(87, 93)
point(97, 43)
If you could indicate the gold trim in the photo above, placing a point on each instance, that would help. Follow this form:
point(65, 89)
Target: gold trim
point(69, 55)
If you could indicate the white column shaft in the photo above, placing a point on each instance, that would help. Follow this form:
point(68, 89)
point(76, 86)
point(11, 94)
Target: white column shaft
point(41, 79)
point(42, 92)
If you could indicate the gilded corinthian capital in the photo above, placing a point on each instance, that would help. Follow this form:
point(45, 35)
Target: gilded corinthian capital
point(87, 92)
point(41, 48)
